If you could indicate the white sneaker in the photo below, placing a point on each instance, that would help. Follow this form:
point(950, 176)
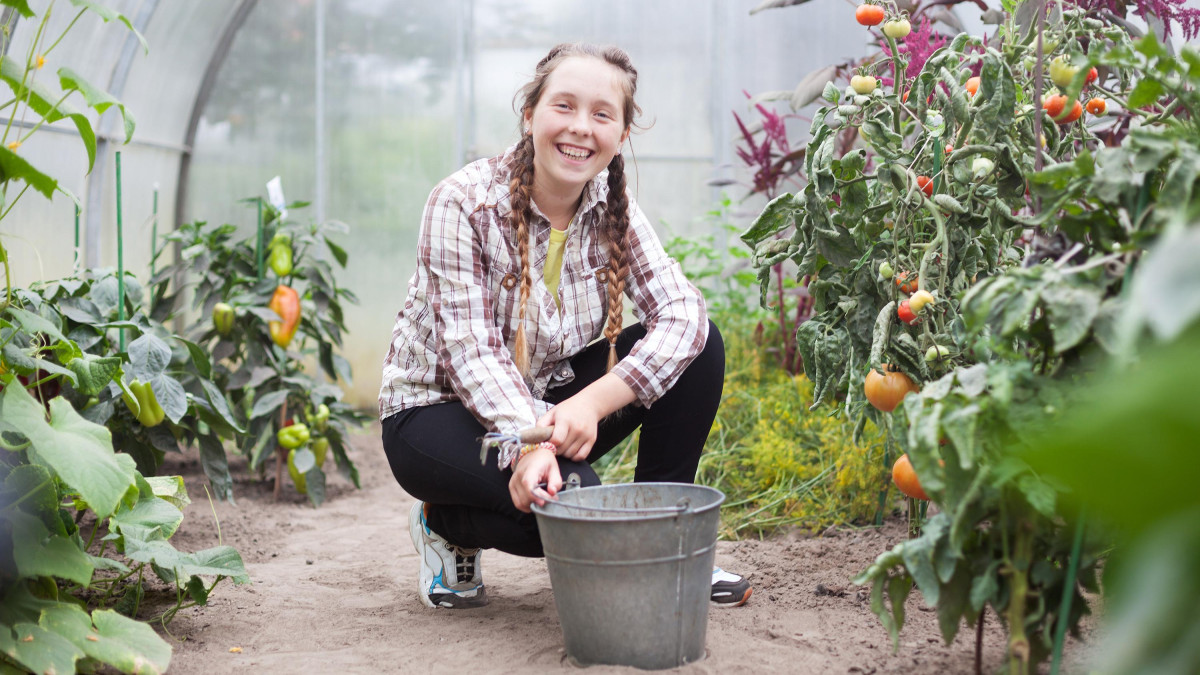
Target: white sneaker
point(729, 590)
point(451, 577)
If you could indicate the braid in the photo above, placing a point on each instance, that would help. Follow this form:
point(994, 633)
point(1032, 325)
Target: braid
point(616, 230)
point(521, 197)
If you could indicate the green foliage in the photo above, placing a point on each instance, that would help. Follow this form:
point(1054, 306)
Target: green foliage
point(61, 481)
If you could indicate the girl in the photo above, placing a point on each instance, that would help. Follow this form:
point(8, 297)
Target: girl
point(523, 264)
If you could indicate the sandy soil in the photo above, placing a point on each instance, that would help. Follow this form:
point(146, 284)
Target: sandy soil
point(334, 591)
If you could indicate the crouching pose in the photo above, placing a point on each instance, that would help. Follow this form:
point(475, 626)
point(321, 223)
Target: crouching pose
point(514, 320)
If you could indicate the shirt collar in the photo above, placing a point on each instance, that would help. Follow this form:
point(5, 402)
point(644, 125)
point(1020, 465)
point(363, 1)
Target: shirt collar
point(594, 193)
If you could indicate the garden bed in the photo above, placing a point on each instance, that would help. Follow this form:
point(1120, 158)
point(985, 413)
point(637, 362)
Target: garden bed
point(334, 590)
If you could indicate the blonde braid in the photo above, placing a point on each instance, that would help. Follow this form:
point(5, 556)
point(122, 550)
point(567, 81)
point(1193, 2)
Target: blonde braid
point(616, 231)
point(521, 197)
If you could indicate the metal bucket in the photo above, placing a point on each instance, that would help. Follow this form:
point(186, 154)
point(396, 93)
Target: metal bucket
point(631, 568)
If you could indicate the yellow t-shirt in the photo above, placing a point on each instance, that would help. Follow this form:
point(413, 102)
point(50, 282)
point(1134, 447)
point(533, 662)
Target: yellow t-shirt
point(554, 257)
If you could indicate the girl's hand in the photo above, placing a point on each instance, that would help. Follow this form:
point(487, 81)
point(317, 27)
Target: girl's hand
point(539, 466)
point(575, 421)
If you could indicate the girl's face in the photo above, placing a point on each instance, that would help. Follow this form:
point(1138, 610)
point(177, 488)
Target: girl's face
point(577, 125)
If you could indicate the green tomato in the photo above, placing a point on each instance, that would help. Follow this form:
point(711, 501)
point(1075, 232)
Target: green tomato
point(936, 353)
point(982, 166)
point(863, 84)
point(1062, 72)
point(897, 28)
point(885, 270)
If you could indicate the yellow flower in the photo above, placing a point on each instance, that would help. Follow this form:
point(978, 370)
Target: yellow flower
point(14, 145)
point(41, 61)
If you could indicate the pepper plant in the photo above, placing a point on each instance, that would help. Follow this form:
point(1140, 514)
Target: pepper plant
point(264, 324)
point(978, 240)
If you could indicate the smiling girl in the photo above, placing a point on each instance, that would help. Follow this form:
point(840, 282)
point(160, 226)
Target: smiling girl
point(514, 320)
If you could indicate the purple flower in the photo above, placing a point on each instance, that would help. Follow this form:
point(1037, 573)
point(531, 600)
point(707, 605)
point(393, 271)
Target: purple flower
point(918, 46)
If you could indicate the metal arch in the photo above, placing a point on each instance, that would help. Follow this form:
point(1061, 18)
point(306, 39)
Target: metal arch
point(116, 86)
point(206, 86)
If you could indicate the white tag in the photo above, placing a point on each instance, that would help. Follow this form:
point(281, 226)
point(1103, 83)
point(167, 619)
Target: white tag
point(275, 196)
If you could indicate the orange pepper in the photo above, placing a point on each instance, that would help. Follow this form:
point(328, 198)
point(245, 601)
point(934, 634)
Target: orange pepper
point(285, 303)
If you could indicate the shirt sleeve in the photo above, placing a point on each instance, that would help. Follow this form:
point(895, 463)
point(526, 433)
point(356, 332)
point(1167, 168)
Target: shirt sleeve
point(471, 348)
point(668, 305)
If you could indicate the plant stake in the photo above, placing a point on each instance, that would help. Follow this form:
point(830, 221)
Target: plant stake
point(120, 258)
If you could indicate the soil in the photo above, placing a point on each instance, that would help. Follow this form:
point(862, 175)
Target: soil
point(334, 590)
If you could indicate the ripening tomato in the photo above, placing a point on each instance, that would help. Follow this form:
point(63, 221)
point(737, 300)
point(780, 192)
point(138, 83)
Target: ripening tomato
point(907, 282)
point(920, 299)
point(926, 185)
point(868, 14)
point(885, 391)
point(863, 84)
point(1097, 106)
point(906, 313)
point(905, 479)
point(972, 85)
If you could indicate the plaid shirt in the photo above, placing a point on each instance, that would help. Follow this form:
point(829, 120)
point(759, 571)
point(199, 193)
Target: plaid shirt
point(454, 337)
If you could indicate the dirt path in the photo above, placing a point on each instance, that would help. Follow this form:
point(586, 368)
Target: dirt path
point(334, 590)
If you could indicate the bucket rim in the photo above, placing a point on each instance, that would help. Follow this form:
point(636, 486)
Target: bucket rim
point(566, 515)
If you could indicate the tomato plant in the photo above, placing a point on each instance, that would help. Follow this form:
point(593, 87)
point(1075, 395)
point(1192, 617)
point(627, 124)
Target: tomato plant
point(1029, 251)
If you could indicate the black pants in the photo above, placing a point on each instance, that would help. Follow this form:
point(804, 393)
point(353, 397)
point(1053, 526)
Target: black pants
point(434, 450)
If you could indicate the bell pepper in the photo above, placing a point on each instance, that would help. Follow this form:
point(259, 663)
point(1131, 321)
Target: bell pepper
point(146, 408)
point(293, 437)
point(320, 419)
point(298, 479)
point(320, 448)
point(285, 303)
point(222, 316)
point(280, 259)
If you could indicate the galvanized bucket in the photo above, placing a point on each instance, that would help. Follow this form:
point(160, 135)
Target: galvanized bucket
point(631, 568)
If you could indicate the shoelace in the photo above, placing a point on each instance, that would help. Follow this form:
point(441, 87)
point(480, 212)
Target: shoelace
point(464, 563)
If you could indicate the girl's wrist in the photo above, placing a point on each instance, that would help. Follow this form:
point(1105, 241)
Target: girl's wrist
point(532, 447)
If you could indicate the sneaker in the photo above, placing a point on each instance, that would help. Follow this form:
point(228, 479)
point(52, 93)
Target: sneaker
point(729, 590)
point(451, 576)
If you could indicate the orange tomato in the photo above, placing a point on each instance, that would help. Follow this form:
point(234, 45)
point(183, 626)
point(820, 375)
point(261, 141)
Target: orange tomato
point(906, 479)
point(869, 15)
point(1097, 106)
point(972, 85)
point(907, 282)
point(886, 391)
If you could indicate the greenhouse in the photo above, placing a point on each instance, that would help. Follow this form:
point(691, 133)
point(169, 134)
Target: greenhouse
point(883, 312)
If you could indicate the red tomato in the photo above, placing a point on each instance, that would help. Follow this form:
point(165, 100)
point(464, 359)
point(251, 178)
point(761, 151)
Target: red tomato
point(1054, 105)
point(869, 15)
point(1076, 113)
point(1092, 76)
point(926, 185)
point(904, 311)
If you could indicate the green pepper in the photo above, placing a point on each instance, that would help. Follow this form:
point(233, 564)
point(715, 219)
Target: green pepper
point(321, 418)
point(298, 479)
point(222, 316)
point(280, 239)
point(320, 447)
point(293, 437)
point(281, 259)
point(146, 408)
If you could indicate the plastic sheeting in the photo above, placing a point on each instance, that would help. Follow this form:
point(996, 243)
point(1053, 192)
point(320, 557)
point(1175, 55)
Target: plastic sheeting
point(411, 91)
